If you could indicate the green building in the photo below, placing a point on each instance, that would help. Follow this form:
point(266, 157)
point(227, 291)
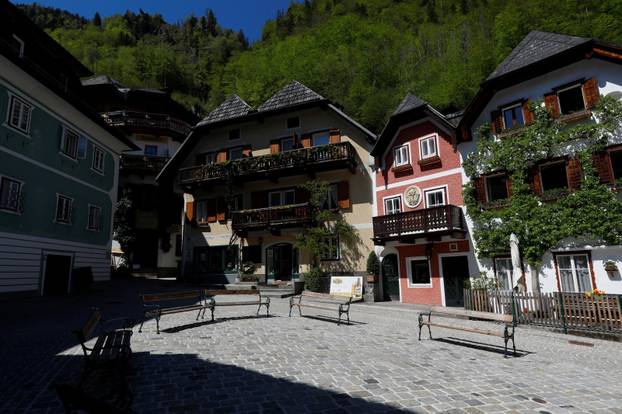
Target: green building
point(58, 165)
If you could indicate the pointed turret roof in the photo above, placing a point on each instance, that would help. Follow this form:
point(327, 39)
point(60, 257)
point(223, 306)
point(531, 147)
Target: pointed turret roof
point(535, 47)
point(232, 107)
point(294, 93)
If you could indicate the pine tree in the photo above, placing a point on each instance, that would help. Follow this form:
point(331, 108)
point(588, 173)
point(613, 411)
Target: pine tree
point(211, 23)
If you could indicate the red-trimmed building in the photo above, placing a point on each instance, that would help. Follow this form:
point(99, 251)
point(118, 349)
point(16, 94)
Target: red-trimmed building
point(419, 226)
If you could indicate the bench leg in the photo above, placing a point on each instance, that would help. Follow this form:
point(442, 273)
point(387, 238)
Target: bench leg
point(259, 308)
point(339, 321)
point(158, 324)
point(199, 314)
point(212, 309)
point(140, 328)
point(290, 310)
point(267, 309)
point(506, 338)
point(348, 315)
point(420, 325)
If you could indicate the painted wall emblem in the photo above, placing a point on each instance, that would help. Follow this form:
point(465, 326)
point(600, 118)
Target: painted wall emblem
point(412, 196)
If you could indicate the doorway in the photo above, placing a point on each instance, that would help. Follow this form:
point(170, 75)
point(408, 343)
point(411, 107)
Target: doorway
point(56, 274)
point(455, 273)
point(281, 261)
point(390, 278)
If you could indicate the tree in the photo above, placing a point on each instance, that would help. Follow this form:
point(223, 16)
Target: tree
point(123, 227)
point(211, 24)
point(97, 20)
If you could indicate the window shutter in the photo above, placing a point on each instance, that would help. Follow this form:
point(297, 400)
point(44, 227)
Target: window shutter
point(221, 209)
point(335, 136)
point(552, 104)
point(536, 184)
point(343, 195)
point(259, 199)
point(305, 140)
point(190, 210)
point(480, 189)
point(211, 210)
point(508, 183)
point(274, 146)
point(527, 114)
point(221, 156)
point(575, 175)
point(601, 163)
point(496, 121)
point(247, 151)
point(591, 93)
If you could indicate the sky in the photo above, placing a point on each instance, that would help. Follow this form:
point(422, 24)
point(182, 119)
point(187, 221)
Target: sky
point(248, 15)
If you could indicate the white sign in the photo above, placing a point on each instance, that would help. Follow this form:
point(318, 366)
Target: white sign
point(412, 196)
point(349, 286)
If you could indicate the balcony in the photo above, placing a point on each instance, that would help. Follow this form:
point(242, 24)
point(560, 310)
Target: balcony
point(142, 163)
point(271, 218)
point(410, 225)
point(149, 122)
point(299, 161)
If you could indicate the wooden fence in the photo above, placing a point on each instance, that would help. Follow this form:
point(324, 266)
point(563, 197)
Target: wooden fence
point(563, 310)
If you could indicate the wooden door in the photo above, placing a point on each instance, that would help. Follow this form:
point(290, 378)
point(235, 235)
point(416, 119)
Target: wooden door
point(390, 278)
point(455, 272)
point(57, 274)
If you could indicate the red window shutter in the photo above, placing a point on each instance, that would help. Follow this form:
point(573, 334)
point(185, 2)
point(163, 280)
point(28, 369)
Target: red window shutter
point(536, 184)
point(552, 104)
point(190, 210)
point(575, 176)
point(221, 156)
point(259, 199)
point(591, 93)
point(601, 162)
point(508, 183)
point(247, 151)
point(496, 121)
point(335, 136)
point(211, 210)
point(221, 209)
point(527, 114)
point(305, 140)
point(274, 146)
point(479, 185)
point(343, 194)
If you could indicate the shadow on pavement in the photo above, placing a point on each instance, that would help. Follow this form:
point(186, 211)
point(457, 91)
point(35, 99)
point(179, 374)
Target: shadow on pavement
point(497, 349)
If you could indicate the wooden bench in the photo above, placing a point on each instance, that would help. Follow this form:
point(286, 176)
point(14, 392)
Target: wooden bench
point(158, 304)
point(212, 303)
point(324, 301)
point(112, 347)
point(507, 332)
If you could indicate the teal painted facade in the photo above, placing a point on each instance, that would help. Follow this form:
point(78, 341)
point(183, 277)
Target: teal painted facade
point(47, 172)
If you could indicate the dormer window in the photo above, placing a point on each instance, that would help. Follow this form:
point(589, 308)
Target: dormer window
point(18, 45)
point(428, 147)
point(513, 116)
point(234, 134)
point(571, 99)
point(401, 156)
point(293, 122)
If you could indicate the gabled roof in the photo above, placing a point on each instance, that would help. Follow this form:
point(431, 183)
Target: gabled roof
point(232, 107)
point(292, 94)
point(410, 109)
point(535, 47)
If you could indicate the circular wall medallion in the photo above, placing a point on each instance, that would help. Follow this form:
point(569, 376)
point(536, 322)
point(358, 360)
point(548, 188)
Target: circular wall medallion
point(412, 196)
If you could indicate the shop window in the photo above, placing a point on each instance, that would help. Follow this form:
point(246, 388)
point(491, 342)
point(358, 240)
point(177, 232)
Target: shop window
point(393, 205)
point(218, 259)
point(574, 272)
point(513, 116)
point(401, 156)
point(503, 273)
point(554, 176)
point(419, 271)
point(571, 100)
point(497, 187)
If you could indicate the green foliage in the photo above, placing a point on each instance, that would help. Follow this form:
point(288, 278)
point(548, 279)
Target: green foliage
point(543, 222)
point(373, 264)
point(123, 227)
point(313, 279)
point(481, 282)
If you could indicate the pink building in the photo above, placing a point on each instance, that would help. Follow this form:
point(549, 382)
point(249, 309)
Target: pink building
point(419, 226)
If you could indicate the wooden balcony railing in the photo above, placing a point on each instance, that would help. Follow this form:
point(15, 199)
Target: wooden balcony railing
point(438, 220)
point(143, 163)
point(271, 217)
point(319, 158)
point(147, 120)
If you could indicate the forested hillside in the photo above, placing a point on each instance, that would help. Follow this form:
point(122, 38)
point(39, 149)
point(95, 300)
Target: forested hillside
point(364, 54)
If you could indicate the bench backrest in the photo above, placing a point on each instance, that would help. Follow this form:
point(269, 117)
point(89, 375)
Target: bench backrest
point(171, 296)
point(89, 326)
point(218, 292)
point(325, 297)
point(489, 316)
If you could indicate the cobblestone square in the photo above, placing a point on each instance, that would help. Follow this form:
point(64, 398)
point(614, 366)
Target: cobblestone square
point(245, 364)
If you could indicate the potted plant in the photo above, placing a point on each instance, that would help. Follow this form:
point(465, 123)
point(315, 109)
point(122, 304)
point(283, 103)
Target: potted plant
point(248, 272)
point(611, 266)
point(373, 268)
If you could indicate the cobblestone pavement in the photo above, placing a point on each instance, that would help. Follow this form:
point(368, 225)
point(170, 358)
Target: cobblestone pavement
point(242, 363)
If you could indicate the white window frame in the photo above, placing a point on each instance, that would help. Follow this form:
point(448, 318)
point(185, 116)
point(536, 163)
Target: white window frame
point(95, 164)
point(405, 148)
point(99, 226)
point(508, 274)
point(566, 88)
point(18, 210)
point(281, 194)
point(431, 137)
point(505, 108)
point(333, 241)
point(442, 189)
point(63, 143)
point(575, 280)
point(22, 45)
point(493, 176)
point(70, 208)
point(409, 274)
point(392, 198)
point(25, 104)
